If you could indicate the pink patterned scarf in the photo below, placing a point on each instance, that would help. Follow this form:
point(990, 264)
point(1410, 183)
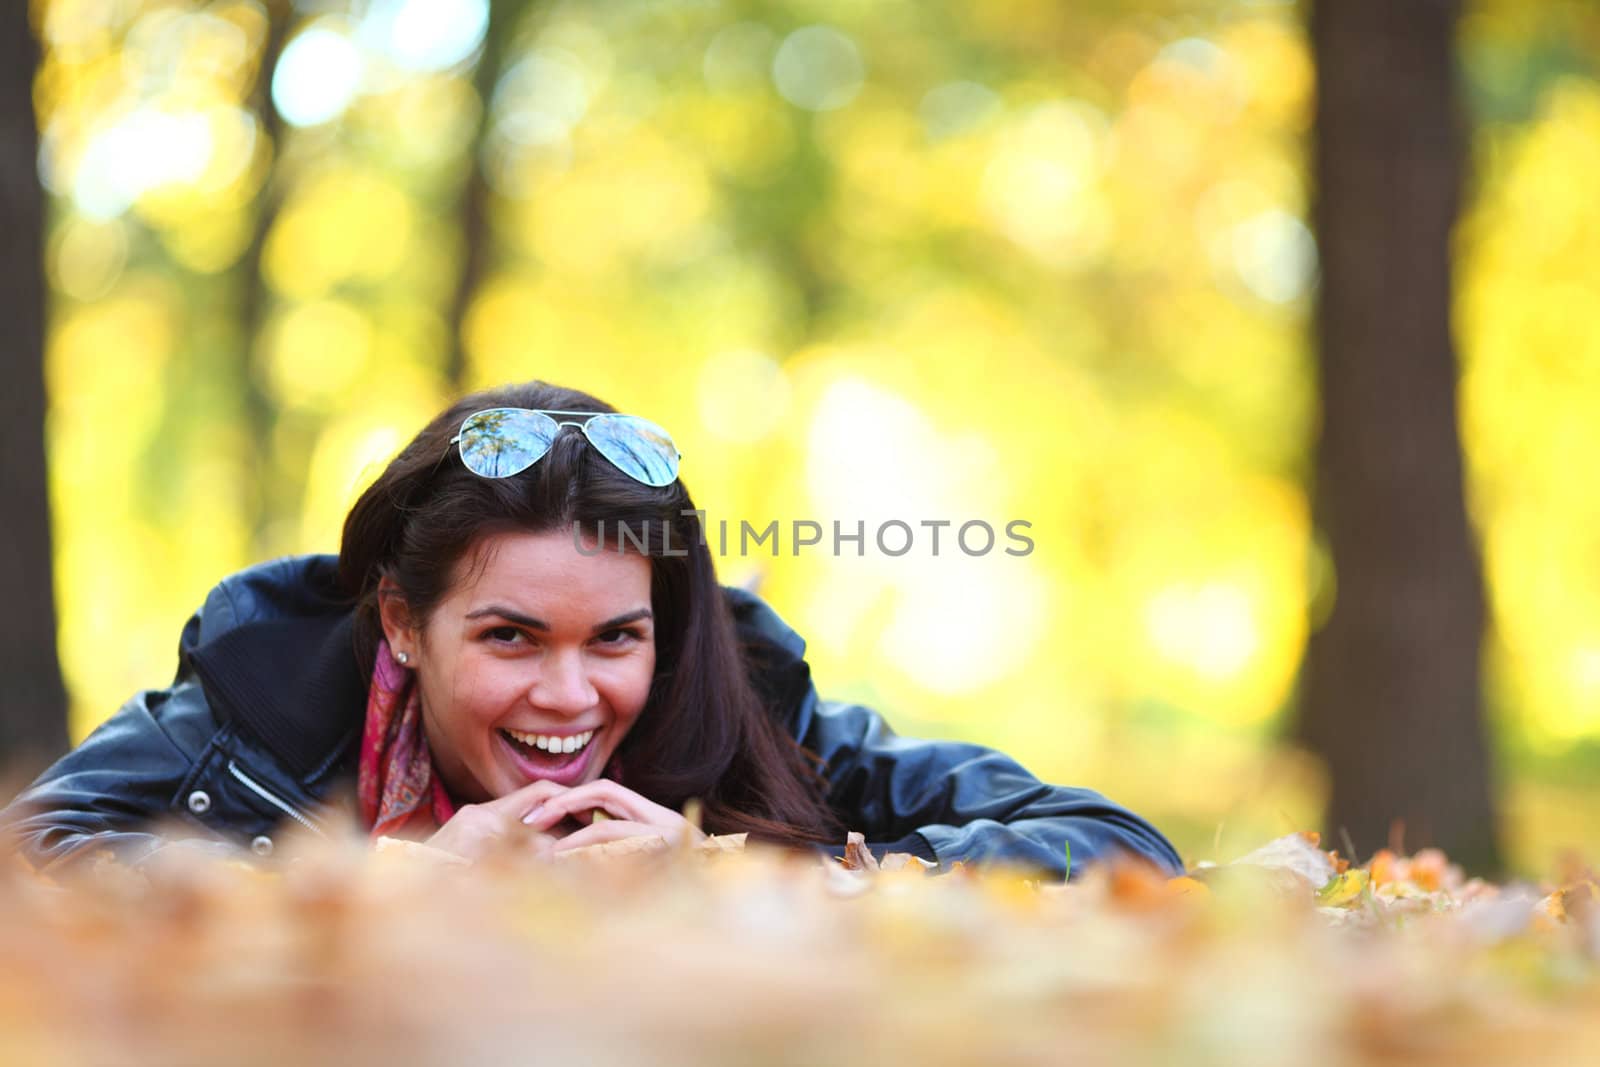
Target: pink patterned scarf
point(399, 790)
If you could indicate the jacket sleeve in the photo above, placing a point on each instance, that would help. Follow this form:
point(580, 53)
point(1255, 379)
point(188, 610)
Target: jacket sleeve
point(110, 793)
point(949, 801)
point(105, 794)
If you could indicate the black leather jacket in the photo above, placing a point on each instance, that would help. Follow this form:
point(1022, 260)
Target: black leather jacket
point(262, 726)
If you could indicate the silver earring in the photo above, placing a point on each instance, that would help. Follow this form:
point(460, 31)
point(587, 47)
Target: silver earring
point(401, 658)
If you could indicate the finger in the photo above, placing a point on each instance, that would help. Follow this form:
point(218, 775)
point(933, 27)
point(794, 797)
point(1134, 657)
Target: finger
point(616, 800)
point(576, 802)
point(611, 830)
point(624, 803)
point(519, 801)
point(582, 810)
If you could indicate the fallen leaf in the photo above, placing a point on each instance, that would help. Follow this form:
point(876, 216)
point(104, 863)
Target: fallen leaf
point(1345, 889)
point(857, 857)
point(1297, 853)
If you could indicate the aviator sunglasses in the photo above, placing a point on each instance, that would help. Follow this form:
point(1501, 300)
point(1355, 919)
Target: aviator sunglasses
point(500, 442)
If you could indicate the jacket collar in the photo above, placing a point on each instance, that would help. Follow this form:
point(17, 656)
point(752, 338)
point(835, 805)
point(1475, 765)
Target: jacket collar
point(774, 656)
point(293, 683)
point(282, 663)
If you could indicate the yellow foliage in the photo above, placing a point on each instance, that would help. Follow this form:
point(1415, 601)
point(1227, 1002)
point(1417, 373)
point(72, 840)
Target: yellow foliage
point(343, 225)
point(651, 193)
point(315, 351)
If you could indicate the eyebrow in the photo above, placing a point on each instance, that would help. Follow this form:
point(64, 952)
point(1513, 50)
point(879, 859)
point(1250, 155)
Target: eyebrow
point(512, 615)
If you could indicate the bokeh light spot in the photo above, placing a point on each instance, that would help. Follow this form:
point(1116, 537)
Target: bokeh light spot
point(873, 455)
point(965, 623)
point(427, 35)
point(316, 351)
point(958, 107)
point(1209, 627)
point(144, 150)
point(1038, 189)
point(818, 68)
point(743, 395)
point(88, 257)
point(541, 99)
point(1275, 255)
point(739, 56)
point(317, 77)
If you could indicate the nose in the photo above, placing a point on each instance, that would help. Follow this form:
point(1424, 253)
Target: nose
point(563, 684)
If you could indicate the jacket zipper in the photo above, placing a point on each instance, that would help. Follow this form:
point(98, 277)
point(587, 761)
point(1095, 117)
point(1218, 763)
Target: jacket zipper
point(282, 805)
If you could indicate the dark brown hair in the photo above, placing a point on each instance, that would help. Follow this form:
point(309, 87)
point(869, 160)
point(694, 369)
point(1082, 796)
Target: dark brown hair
point(703, 732)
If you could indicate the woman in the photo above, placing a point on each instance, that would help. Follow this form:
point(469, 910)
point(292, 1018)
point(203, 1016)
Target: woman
point(524, 628)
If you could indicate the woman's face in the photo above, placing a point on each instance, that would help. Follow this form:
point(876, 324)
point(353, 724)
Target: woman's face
point(534, 665)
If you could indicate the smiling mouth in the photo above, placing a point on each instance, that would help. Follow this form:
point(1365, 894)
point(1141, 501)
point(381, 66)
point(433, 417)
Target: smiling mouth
point(548, 750)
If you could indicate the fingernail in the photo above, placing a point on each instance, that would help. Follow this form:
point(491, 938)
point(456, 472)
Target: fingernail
point(532, 814)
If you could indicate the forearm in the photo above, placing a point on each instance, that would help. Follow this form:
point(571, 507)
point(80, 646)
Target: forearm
point(967, 803)
point(106, 795)
point(52, 845)
point(1044, 843)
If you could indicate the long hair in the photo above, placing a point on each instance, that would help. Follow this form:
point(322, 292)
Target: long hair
point(704, 732)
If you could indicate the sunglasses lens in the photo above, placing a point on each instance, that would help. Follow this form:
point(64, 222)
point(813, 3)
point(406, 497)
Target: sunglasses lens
point(638, 447)
point(500, 442)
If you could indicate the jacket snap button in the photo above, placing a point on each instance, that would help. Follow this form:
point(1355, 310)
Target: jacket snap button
point(262, 846)
point(199, 802)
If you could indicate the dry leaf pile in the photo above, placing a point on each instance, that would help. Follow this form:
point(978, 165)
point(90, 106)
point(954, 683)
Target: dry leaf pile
point(733, 955)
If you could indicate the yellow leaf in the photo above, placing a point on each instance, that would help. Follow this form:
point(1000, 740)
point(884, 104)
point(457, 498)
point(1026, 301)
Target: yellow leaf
point(1344, 889)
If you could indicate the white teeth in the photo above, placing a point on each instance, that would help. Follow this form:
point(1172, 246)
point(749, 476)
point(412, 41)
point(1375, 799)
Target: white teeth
point(551, 743)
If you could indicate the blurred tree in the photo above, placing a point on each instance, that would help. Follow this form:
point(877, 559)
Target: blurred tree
point(254, 300)
point(477, 233)
point(33, 715)
point(1392, 698)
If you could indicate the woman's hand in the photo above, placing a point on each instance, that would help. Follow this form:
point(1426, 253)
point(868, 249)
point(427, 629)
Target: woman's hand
point(630, 815)
point(476, 830)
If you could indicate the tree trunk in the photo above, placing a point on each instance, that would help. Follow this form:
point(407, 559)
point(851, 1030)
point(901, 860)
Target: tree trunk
point(255, 302)
point(475, 228)
point(33, 705)
point(1391, 691)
